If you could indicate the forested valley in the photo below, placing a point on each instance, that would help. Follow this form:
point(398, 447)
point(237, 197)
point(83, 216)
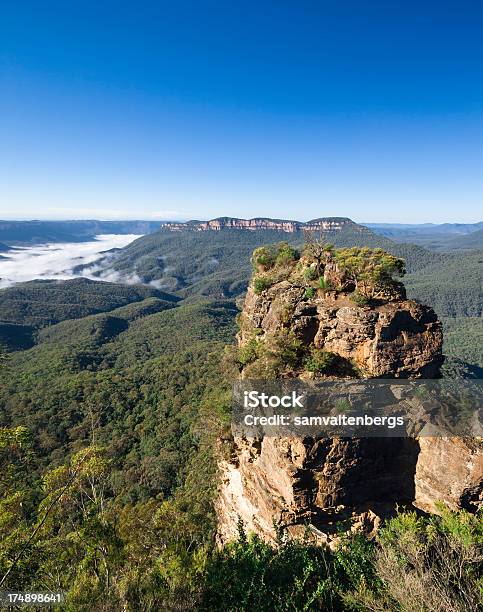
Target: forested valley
point(114, 401)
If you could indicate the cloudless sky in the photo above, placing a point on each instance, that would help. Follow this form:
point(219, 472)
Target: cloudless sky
point(293, 109)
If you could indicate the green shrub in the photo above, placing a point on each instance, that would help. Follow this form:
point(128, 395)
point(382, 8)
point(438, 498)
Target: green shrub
point(372, 270)
point(429, 563)
point(266, 367)
point(264, 257)
point(287, 347)
point(309, 293)
point(322, 283)
point(310, 273)
point(271, 357)
point(249, 574)
point(249, 352)
point(319, 360)
point(294, 575)
point(286, 254)
point(359, 299)
point(416, 563)
point(267, 257)
point(260, 283)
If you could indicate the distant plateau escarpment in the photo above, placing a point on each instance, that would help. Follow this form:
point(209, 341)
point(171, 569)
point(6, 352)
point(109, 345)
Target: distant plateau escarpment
point(263, 223)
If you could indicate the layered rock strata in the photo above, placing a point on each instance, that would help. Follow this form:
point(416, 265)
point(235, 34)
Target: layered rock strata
point(284, 225)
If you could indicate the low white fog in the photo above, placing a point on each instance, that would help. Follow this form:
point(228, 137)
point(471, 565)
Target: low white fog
point(58, 260)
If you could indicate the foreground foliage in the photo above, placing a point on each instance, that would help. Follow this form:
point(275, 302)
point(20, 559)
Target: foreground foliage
point(160, 554)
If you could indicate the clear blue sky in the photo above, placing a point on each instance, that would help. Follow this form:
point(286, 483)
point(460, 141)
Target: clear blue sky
point(294, 109)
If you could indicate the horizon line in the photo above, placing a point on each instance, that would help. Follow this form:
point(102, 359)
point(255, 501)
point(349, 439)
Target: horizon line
point(204, 220)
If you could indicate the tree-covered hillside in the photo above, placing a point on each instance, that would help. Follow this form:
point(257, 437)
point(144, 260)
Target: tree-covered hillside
point(14, 337)
point(126, 403)
point(465, 243)
point(132, 378)
point(463, 339)
point(218, 263)
point(442, 237)
point(46, 302)
point(452, 285)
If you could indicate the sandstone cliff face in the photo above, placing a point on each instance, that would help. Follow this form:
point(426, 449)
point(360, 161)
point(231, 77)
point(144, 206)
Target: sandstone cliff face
point(324, 224)
point(449, 470)
point(294, 483)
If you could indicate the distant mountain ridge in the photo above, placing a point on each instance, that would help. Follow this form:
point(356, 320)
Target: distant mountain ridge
point(265, 223)
point(466, 241)
point(443, 237)
point(26, 233)
point(435, 228)
point(32, 232)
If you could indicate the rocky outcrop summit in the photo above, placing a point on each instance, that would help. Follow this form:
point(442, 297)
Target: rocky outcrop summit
point(307, 320)
point(400, 338)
